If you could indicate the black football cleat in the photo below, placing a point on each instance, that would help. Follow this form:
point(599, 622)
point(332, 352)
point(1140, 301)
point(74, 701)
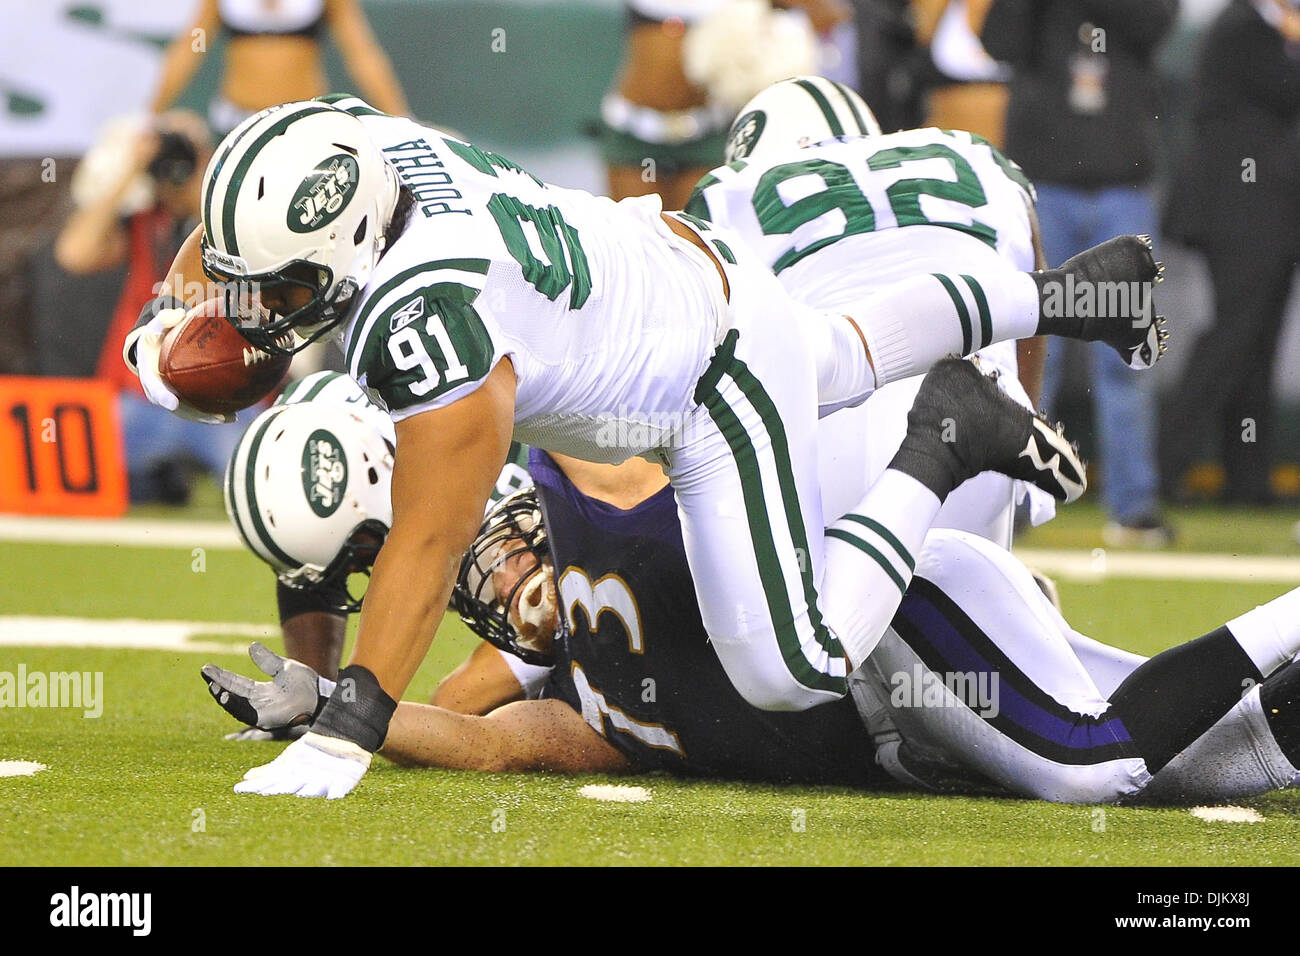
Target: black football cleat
point(962, 424)
point(1105, 294)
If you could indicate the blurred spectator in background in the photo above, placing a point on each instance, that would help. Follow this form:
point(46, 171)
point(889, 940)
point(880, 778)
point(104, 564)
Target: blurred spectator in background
point(137, 197)
point(1081, 122)
point(660, 131)
point(273, 55)
point(889, 63)
point(1235, 196)
point(968, 88)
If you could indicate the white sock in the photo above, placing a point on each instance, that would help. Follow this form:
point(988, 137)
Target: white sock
point(870, 556)
point(912, 324)
point(1237, 757)
point(1270, 633)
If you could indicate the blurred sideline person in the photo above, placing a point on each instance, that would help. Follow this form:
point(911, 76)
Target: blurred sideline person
point(1081, 122)
point(969, 88)
point(838, 211)
point(638, 334)
point(274, 54)
point(655, 113)
point(1235, 196)
point(138, 197)
point(600, 664)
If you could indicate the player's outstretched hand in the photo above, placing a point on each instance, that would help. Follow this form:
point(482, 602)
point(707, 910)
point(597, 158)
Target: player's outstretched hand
point(315, 766)
point(294, 695)
point(141, 351)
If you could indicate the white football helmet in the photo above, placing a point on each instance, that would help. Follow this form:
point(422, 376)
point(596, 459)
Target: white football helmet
point(309, 490)
point(796, 113)
point(296, 195)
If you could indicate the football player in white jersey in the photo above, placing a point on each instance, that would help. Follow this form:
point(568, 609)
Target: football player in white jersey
point(838, 211)
point(502, 305)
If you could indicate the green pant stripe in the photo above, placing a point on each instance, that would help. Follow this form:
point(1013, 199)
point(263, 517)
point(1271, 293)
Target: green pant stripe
point(871, 552)
point(753, 390)
point(962, 313)
point(760, 528)
point(982, 302)
point(904, 555)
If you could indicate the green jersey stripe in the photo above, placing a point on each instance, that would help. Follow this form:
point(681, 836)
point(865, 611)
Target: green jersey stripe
point(962, 313)
point(824, 105)
point(725, 251)
point(887, 535)
point(870, 552)
point(375, 305)
point(250, 468)
point(982, 303)
point(241, 169)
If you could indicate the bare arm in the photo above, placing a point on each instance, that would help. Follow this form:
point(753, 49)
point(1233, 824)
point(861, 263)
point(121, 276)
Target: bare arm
point(482, 683)
point(364, 57)
point(316, 639)
point(183, 56)
point(446, 465)
point(186, 271)
point(527, 735)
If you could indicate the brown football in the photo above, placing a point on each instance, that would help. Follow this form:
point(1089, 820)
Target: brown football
point(209, 365)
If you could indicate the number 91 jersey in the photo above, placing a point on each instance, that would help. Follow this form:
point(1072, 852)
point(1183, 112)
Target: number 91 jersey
point(607, 317)
point(816, 215)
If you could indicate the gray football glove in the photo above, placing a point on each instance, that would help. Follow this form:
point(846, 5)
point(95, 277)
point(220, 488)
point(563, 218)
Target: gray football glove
point(293, 696)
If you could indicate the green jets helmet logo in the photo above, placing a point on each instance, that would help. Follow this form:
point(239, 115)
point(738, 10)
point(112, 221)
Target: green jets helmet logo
point(745, 133)
point(324, 472)
point(324, 193)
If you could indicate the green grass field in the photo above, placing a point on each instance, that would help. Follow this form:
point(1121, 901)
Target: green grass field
point(149, 782)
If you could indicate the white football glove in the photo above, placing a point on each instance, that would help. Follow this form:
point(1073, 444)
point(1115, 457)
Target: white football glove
point(147, 341)
point(314, 766)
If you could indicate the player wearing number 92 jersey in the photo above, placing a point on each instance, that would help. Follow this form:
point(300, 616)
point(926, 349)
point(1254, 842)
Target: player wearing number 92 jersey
point(841, 218)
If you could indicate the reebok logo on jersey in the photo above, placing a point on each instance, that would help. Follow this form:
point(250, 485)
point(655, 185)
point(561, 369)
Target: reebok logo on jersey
point(323, 193)
point(406, 314)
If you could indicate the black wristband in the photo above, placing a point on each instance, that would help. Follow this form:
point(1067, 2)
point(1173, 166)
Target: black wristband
point(359, 710)
point(152, 308)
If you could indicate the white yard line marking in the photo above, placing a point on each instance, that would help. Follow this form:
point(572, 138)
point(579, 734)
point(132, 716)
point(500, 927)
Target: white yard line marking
point(1080, 565)
point(614, 793)
point(127, 633)
point(1227, 814)
point(1104, 563)
point(132, 532)
point(20, 768)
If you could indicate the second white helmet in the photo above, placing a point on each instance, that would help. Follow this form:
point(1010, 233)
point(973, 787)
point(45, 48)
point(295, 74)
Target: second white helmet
point(795, 113)
point(309, 489)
